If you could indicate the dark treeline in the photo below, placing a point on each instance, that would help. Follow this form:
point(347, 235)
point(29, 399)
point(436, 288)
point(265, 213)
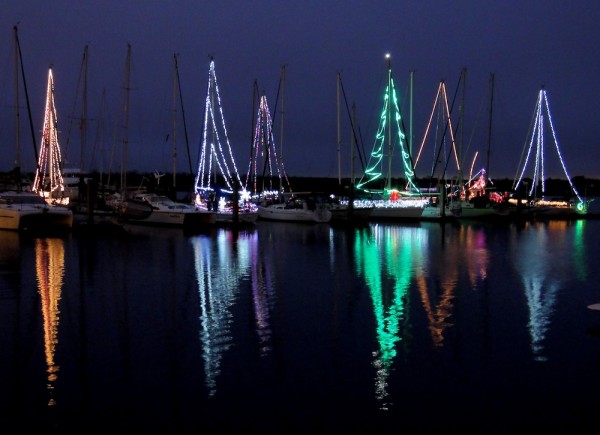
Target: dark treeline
point(184, 182)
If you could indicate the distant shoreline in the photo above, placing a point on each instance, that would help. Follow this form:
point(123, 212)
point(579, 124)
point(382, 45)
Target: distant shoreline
point(587, 187)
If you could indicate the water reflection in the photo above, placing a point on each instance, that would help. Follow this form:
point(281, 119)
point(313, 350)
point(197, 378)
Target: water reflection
point(220, 264)
point(539, 263)
point(387, 258)
point(263, 293)
point(50, 269)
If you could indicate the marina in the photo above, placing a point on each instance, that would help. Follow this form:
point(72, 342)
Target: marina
point(205, 230)
point(387, 328)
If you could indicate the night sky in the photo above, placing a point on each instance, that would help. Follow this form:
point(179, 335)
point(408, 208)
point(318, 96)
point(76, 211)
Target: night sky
point(525, 44)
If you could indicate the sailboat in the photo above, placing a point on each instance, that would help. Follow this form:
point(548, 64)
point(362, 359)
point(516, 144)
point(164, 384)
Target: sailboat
point(141, 208)
point(391, 203)
point(21, 209)
point(48, 181)
point(271, 187)
point(458, 199)
point(348, 209)
point(218, 186)
point(538, 203)
point(475, 198)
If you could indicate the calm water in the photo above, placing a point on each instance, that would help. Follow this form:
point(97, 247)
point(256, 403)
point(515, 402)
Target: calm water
point(466, 328)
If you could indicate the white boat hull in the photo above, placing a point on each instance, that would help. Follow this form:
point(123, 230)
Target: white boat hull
point(279, 212)
point(158, 210)
point(25, 211)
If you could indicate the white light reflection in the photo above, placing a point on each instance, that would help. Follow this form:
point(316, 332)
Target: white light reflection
point(220, 265)
point(535, 251)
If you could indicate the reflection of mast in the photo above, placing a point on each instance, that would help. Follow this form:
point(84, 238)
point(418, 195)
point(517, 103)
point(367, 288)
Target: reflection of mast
point(393, 258)
point(540, 289)
point(470, 253)
point(438, 313)
point(262, 295)
point(50, 267)
point(218, 292)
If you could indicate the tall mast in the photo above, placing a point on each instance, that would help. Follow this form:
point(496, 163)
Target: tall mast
point(339, 139)
point(389, 121)
point(126, 129)
point(487, 165)
point(282, 110)
point(174, 118)
point(461, 125)
point(410, 125)
point(19, 56)
point(83, 122)
point(17, 102)
point(352, 145)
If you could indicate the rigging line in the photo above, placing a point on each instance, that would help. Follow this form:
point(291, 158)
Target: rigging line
point(448, 121)
point(489, 148)
point(27, 98)
point(443, 136)
point(185, 131)
point(74, 107)
point(530, 132)
point(200, 173)
point(250, 176)
point(477, 119)
point(360, 148)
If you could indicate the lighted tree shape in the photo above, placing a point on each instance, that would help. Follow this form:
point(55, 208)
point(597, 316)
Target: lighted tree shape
point(216, 155)
point(390, 134)
point(264, 151)
point(541, 116)
point(48, 180)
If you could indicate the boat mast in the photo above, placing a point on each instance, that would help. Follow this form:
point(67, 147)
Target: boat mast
point(17, 110)
point(410, 125)
point(487, 165)
point(19, 61)
point(124, 151)
point(83, 121)
point(174, 119)
point(339, 138)
point(461, 126)
point(178, 78)
point(389, 122)
point(282, 110)
point(352, 145)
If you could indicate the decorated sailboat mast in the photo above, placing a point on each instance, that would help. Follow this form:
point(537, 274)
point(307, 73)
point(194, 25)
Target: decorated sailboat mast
point(48, 181)
point(389, 135)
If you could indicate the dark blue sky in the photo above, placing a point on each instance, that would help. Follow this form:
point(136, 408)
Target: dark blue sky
point(526, 44)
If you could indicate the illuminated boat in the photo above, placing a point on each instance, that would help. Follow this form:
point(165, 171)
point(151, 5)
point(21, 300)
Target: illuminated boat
point(27, 211)
point(530, 198)
point(296, 209)
point(160, 210)
point(390, 203)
